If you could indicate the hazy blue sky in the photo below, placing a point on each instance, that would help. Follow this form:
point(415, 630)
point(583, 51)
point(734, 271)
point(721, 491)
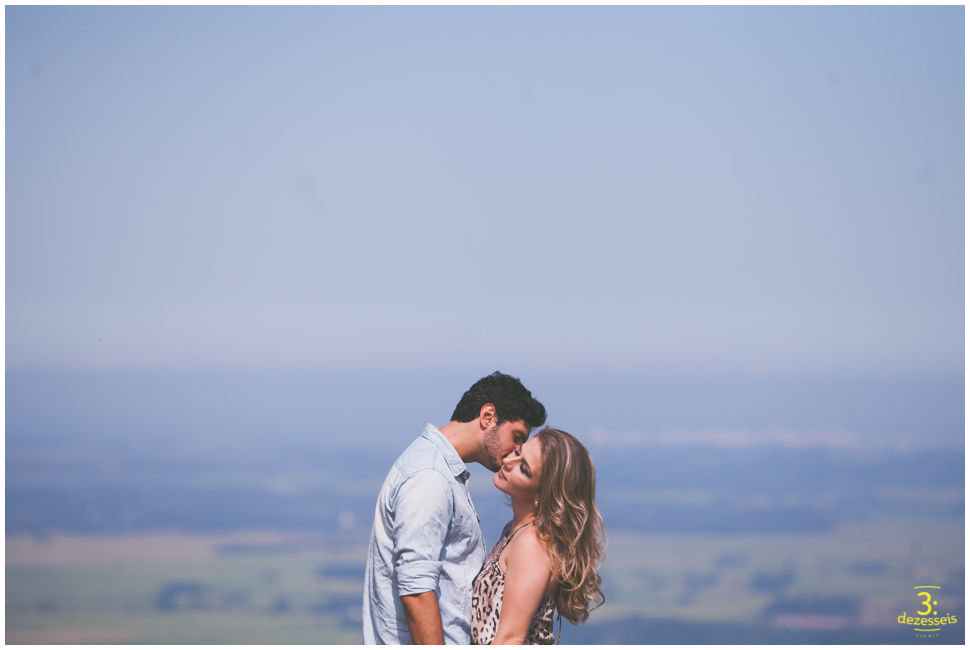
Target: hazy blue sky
point(742, 189)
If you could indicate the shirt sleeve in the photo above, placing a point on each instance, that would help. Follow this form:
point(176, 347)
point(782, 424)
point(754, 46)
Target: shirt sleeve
point(422, 514)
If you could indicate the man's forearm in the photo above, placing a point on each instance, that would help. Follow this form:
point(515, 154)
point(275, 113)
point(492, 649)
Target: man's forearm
point(424, 618)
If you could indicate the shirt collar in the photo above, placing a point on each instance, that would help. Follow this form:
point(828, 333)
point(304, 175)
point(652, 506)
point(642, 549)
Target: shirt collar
point(455, 463)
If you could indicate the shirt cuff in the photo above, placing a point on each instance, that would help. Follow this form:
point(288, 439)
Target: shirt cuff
point(417, 577)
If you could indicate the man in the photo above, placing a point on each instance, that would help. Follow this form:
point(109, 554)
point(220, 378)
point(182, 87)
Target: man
point(426, 545)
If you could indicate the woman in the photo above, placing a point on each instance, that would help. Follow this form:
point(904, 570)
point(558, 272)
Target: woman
point(548, 554)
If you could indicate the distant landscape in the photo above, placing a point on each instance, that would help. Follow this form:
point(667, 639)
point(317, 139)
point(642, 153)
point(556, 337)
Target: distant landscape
point(233, 508)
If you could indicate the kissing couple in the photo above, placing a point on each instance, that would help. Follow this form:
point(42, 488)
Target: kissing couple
point(428, 579)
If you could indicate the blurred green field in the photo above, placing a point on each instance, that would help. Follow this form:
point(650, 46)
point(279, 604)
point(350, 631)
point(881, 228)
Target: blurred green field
point(261, 587)
point(733, 578)
point(238, 588)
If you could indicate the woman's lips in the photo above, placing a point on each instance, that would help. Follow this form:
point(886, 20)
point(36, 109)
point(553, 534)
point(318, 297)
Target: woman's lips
point(501, 474)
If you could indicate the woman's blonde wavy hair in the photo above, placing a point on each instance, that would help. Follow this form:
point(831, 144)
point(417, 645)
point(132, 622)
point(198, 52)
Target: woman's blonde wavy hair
point(569, 523)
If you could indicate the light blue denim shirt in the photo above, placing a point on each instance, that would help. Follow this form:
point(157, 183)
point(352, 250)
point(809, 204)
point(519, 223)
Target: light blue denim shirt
point(426, 537)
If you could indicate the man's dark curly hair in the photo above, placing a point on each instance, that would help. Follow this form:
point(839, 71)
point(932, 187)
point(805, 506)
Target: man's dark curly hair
point(511, 399)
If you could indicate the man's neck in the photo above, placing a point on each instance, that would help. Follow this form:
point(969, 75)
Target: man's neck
point(465, 437)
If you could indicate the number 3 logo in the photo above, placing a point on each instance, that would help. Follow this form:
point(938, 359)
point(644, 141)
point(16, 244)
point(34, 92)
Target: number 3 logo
point(926, 601)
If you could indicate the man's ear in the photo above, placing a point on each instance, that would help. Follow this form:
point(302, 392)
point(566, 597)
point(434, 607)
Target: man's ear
point(487, 417)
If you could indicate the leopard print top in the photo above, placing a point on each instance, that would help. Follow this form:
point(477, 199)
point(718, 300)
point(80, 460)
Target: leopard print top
point(487, 593)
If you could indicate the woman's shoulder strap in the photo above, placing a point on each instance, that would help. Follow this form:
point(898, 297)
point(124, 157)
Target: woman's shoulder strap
point(519, 527)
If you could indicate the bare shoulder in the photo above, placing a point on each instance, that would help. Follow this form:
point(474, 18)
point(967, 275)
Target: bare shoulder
point(527, 541)
point(525, 549)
